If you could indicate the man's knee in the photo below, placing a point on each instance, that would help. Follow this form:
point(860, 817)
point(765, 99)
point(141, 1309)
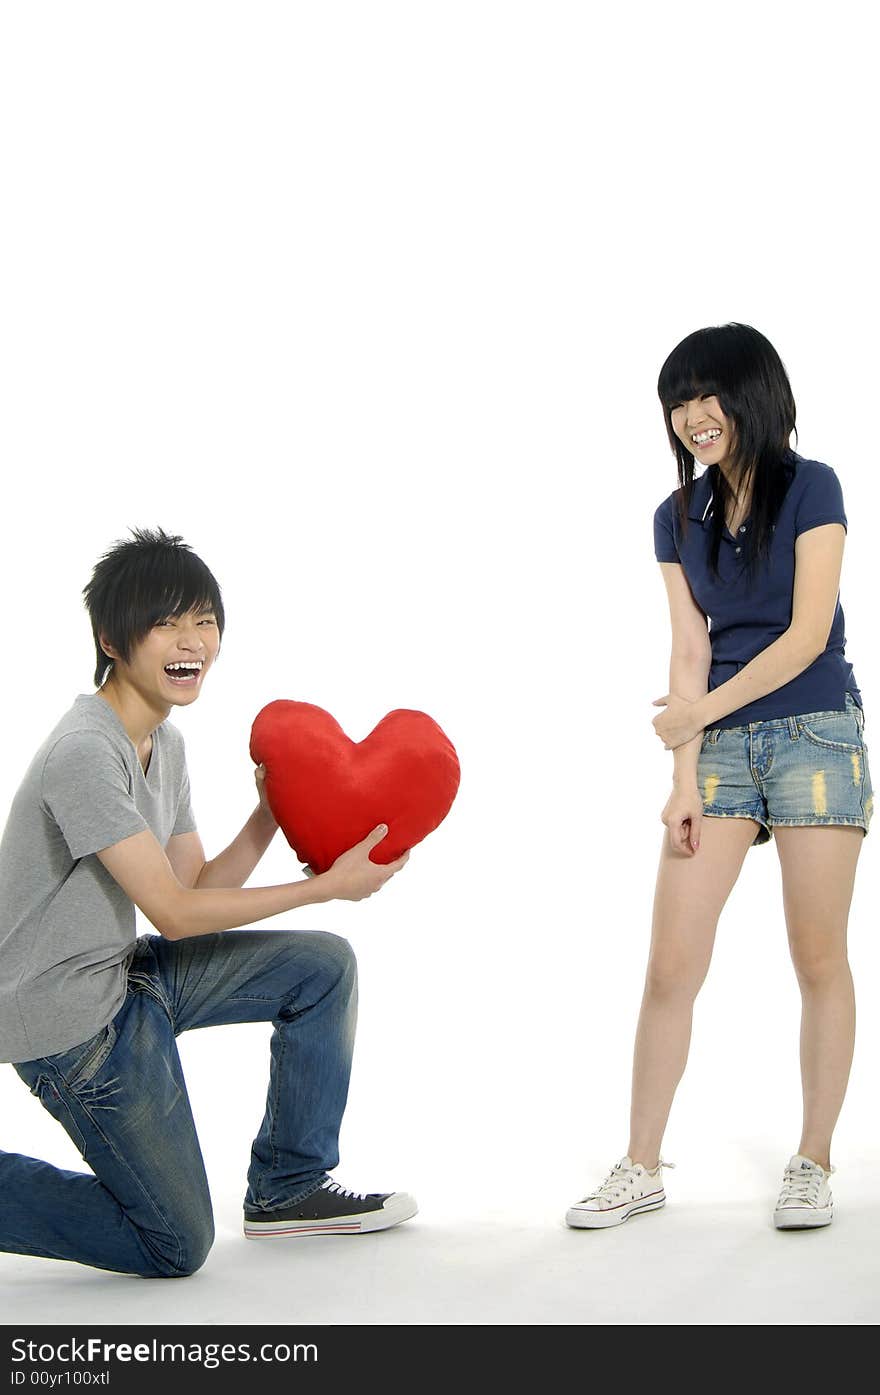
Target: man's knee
point(335, 959)
point(196, 1246)
point(343, 956)
point(323, 971)
point(179, 1255)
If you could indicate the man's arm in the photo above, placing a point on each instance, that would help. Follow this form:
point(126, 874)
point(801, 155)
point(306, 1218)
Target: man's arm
point(818, 563)
point(142, 869)
point(234, 864)
point(231, 867)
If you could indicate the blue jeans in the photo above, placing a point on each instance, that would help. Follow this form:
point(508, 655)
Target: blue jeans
point(122, 1098)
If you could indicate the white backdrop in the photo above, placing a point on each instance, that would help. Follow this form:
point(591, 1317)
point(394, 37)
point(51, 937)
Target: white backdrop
point(368, 302)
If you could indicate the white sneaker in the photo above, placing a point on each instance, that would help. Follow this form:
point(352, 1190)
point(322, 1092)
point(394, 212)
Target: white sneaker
point(628, 1190)
point(805, 1199)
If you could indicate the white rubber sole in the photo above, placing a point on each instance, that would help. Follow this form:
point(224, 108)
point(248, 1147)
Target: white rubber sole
point(399, 1207)
point(582, 1218)
point(802, 1217)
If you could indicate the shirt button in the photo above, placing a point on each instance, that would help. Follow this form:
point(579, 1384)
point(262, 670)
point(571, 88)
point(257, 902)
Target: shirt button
point(739, 549)
point(743, 528)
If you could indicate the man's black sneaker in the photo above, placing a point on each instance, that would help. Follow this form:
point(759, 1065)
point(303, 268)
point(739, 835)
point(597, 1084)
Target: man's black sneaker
point(333, 1210)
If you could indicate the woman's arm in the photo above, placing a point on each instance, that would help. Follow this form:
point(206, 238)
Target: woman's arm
point(818, 563)
point(689, 662)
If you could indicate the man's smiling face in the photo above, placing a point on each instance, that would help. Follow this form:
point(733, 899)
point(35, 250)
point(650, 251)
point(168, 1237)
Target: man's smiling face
point(169, 664)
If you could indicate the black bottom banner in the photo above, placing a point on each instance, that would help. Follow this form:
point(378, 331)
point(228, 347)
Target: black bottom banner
point(129, 1360)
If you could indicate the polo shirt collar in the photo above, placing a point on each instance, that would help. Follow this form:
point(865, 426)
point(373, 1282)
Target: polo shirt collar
point(702, 498)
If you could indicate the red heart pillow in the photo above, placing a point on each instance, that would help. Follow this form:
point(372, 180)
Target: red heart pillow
point(328, 792)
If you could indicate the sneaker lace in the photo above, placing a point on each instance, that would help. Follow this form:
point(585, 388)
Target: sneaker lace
point(339, 1190)
point(802, 1186)
point(617, 1181)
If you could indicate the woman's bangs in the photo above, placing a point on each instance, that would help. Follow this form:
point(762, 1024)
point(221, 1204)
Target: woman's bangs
point(691, 370)
point(684, 380)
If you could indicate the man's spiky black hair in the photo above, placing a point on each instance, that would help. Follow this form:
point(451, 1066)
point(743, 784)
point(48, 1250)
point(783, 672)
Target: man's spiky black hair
point(153, 577)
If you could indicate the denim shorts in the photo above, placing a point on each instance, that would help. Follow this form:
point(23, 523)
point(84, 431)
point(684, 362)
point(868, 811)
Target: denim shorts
point(808, 769)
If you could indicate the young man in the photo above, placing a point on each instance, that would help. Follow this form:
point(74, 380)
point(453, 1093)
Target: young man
point(102, 823)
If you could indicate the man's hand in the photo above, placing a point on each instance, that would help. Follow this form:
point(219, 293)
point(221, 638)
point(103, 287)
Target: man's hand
point(680, 722)
point(353, 876)
point(260, 781)
point(683, 816)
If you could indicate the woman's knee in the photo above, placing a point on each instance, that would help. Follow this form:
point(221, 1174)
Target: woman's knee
point(817, 964)
point(673, 976)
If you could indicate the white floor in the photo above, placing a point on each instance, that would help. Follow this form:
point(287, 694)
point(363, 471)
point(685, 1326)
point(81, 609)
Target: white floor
point(689, 1264)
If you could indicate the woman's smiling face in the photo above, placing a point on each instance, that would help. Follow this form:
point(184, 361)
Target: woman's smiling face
point(703, 429)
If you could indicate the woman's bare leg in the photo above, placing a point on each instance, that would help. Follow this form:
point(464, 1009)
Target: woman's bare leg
point(690, 894)
point(818, 872)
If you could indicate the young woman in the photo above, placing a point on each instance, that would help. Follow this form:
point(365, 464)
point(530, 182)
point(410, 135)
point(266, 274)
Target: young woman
point(89, 1014)
point(766, 724)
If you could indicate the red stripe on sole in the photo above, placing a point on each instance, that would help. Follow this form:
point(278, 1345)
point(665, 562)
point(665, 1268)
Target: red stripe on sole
point(305, 1230)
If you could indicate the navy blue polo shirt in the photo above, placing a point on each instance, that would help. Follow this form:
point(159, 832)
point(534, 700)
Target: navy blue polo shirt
point(744, 621)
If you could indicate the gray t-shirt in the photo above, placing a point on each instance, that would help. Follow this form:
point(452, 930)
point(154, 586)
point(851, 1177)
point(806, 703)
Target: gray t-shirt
point(67, 929)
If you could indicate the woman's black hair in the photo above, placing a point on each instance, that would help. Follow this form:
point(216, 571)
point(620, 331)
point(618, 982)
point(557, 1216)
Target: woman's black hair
point(742, 369)
point(137, 583)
